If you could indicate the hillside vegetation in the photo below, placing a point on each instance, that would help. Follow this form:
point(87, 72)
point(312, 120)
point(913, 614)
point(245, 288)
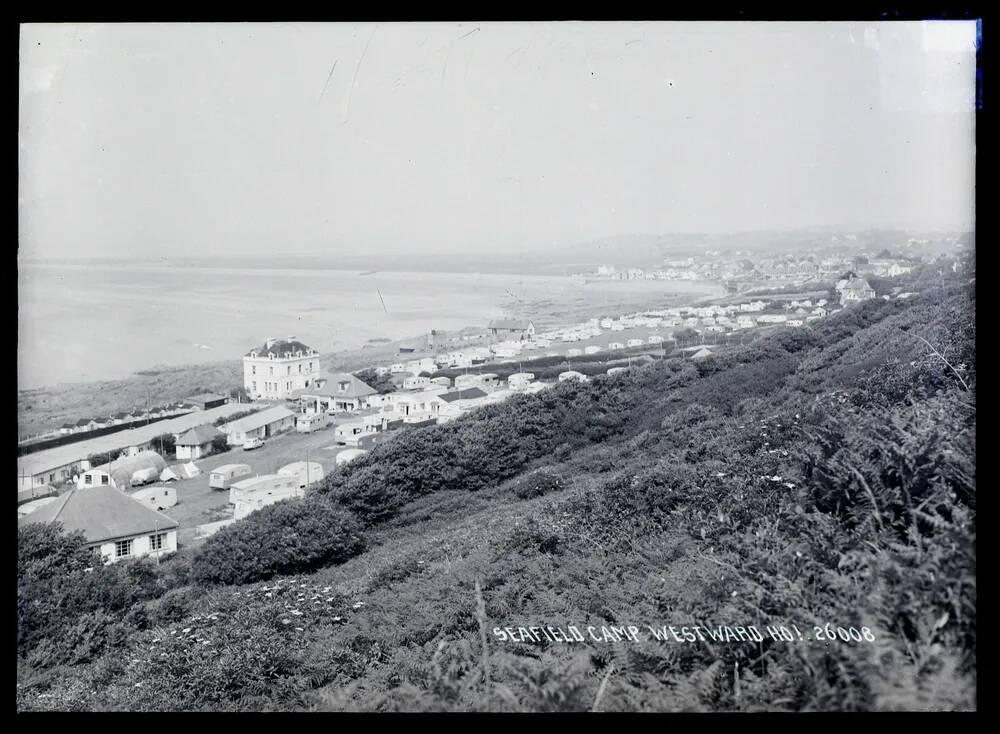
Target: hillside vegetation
point(820, 476)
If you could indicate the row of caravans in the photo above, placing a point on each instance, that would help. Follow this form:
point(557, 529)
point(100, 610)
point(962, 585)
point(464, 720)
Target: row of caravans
point(291, 481)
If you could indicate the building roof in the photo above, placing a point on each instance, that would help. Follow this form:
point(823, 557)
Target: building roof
point(205, 397)
point(199, 436)
point(102, 513)
point(329, 386)
point(60, 456)
point(280, 348)
point(513, 324)
point(257, 420)
point(470, 393)
point(701, 354)
point(856, 285)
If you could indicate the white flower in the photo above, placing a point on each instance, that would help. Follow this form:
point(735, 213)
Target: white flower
point(358, 605)
point(186, 630)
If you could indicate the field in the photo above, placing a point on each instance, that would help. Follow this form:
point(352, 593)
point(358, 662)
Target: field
point(197, 503)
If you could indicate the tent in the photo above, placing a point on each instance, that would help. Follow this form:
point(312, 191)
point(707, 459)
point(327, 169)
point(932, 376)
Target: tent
point(167, 476)
point(185, 471)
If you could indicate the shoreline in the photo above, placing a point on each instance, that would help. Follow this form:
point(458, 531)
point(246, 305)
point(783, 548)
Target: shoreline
point(70, 401)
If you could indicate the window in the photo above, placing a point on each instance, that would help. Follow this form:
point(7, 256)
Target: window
point(88, 479)
point(52, 477)
point(253, 370)
point(310, 365)
point(123, 548)
point(300, 368)
point(105, 478)
point(270, 371)
point(255, 385)
point(156, 541)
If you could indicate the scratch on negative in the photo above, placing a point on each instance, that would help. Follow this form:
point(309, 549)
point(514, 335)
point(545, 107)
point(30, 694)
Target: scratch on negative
point(328, 77)
point(467, 34)
point(354, 80)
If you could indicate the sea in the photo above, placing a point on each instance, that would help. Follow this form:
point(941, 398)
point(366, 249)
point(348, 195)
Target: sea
point(85, 323)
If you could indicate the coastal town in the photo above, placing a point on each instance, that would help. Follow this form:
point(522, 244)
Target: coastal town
point(741, 270)
point(146, 482)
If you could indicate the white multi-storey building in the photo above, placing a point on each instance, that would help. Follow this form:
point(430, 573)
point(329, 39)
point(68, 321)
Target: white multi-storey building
point(277, 368)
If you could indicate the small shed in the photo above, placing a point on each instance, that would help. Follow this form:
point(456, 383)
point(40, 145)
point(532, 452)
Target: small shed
point(206, 401)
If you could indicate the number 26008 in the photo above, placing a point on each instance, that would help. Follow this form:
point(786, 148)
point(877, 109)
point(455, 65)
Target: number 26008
point(850, 634)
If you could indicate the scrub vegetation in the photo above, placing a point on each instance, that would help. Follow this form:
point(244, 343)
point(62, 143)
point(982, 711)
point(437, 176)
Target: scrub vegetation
point(821, 477)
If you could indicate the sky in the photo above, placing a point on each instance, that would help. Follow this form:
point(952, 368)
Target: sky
point(146, 140)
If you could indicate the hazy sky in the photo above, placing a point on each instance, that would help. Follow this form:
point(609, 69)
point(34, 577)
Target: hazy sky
point(152, 139)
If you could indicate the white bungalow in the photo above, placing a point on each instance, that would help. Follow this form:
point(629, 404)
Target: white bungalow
point(115, 525)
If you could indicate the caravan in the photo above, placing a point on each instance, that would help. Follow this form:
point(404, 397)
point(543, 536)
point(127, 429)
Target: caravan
point(222, 477)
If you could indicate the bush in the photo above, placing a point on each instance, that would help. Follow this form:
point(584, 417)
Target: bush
point(71, 607)
point(536, 484)
point(292, 536)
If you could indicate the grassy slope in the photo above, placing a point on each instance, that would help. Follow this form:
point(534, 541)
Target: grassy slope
point(398, 627)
